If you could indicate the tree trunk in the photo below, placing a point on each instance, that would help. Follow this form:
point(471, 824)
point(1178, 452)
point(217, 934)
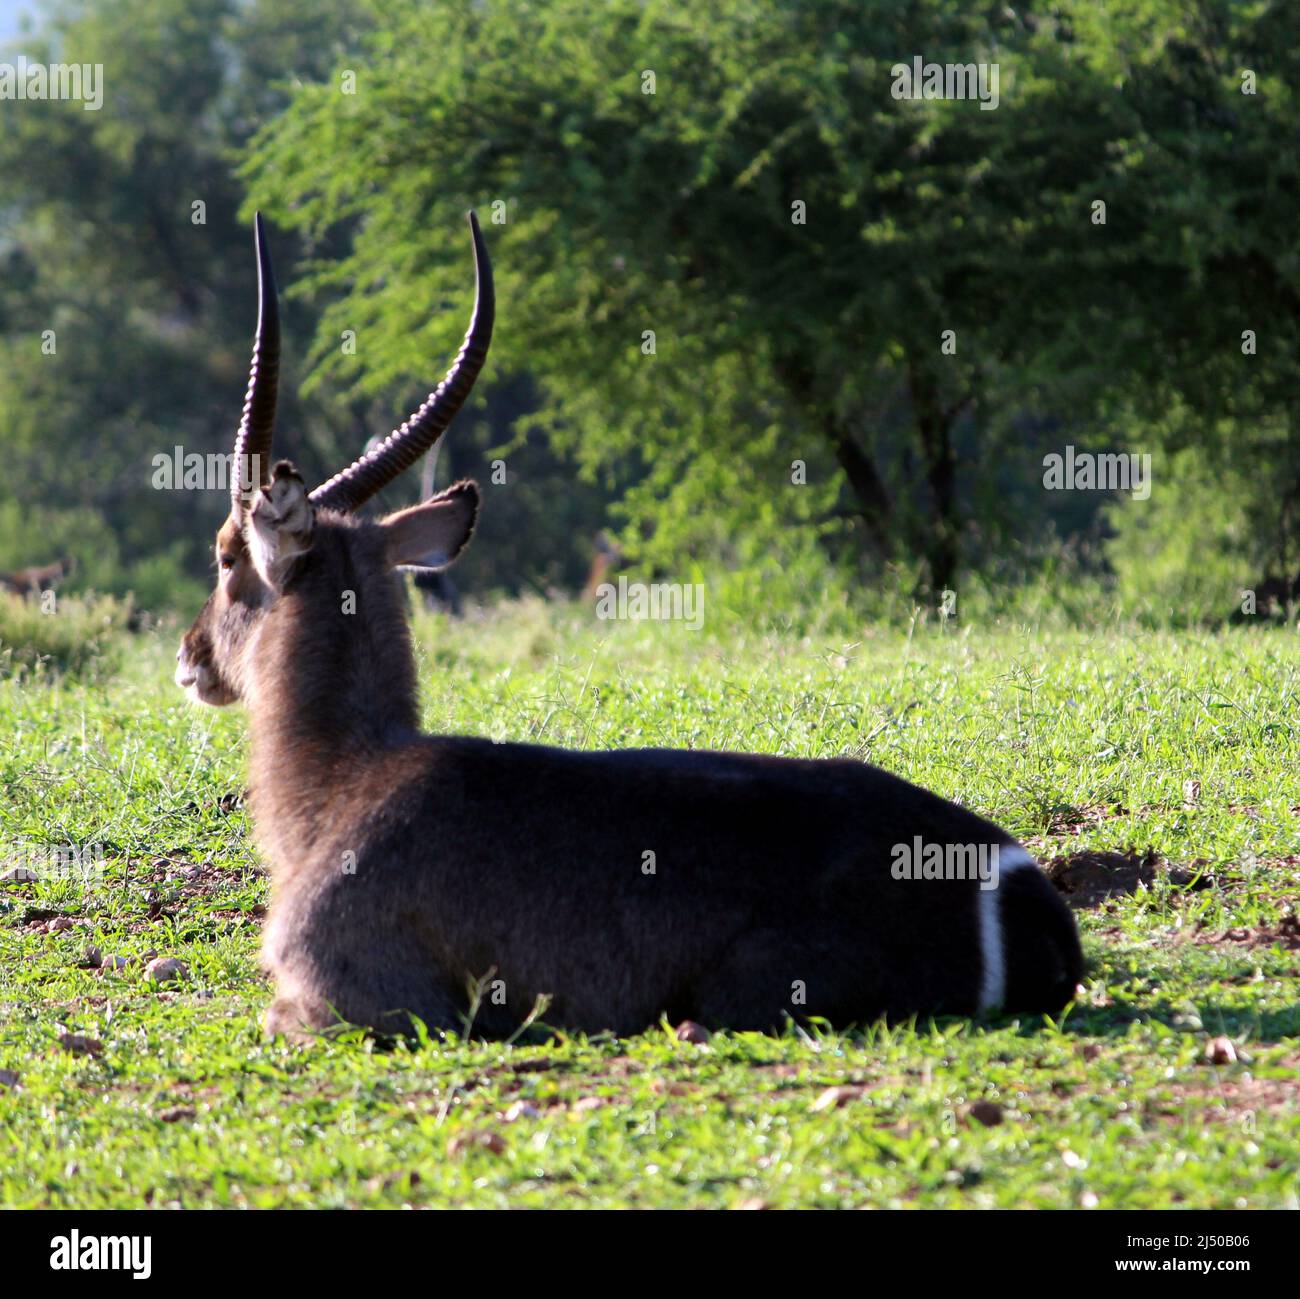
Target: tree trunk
point(934, 425)
point(874, 506)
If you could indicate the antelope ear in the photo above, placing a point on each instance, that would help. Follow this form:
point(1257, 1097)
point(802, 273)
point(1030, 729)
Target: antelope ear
point(433, 534)
point(280, 524)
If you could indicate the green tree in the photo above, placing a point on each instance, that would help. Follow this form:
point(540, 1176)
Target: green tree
point(743, 184)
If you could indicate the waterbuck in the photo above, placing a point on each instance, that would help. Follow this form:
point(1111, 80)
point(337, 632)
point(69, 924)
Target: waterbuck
point(457, 881)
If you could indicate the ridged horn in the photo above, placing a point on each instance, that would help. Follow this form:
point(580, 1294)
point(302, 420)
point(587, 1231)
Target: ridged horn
point(403, 447)
point(257, 426)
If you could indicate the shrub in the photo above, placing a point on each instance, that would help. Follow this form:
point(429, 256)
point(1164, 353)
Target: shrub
point(58, 634)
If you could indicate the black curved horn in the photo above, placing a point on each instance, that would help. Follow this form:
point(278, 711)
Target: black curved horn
point(402, 448)
point(257, 426)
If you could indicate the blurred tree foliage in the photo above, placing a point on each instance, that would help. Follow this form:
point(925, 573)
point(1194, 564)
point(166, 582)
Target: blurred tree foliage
point(152, 310)
point(769, 309)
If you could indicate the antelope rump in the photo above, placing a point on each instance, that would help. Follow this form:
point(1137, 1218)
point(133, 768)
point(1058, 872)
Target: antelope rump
point(412, 872)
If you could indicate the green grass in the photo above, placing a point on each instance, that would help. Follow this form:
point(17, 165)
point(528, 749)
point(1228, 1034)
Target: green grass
point(1184, 745)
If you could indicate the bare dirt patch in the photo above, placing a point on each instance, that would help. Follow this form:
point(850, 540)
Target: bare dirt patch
point(1075, 820)
point(1285, 934)
point(1089, 879)
point(1239, 1099)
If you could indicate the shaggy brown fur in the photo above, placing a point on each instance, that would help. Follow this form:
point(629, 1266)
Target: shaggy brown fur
point(456, 881)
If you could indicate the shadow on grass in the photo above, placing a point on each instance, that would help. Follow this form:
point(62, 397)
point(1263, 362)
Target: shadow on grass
point(1278, 1024)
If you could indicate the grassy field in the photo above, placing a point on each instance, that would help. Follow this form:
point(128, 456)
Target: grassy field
point(1159, 773)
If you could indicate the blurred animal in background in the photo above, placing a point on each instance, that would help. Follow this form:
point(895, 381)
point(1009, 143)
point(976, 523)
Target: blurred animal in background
point(1273, 600)
point(32, 581)
point(437, 590)
point(607, 560)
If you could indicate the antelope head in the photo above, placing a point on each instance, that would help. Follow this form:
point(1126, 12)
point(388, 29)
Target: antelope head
point(278, 536)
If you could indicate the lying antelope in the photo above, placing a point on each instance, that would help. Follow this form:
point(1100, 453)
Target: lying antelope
point(408, 869)
point(32, 581)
